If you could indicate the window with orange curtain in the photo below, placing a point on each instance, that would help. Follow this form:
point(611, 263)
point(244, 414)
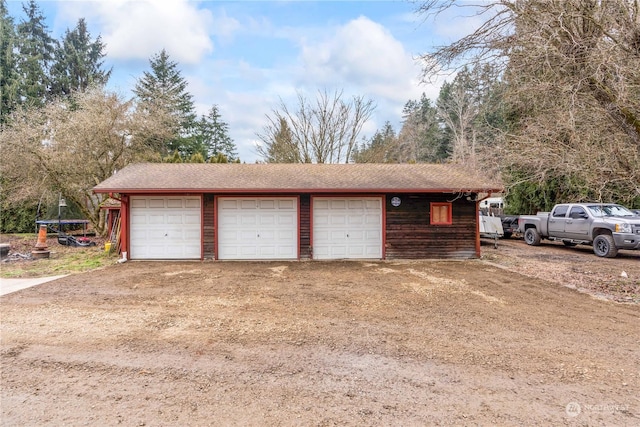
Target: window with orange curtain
point(441, 214)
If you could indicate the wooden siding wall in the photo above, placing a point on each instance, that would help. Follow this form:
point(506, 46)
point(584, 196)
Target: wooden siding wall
point(305, 226)
point(208, 228)
point(409, 234)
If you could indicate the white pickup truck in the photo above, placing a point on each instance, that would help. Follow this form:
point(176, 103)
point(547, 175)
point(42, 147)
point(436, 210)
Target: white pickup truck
point(607, 226)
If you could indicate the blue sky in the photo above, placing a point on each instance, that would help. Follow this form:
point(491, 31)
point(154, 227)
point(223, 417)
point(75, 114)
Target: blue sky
point(244, 56)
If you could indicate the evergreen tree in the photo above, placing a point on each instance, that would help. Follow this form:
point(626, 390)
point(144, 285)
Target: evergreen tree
point(379, 148)
point(35, 53)
point(471, 114)
point(212, 136)
point(280, 148)
point(9, 78)
point(163, 90)
point(78, 62)
point(221, 158)
point(420, 138)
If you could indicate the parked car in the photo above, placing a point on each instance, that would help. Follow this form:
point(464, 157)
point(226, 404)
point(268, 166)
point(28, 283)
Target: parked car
point(607, 226)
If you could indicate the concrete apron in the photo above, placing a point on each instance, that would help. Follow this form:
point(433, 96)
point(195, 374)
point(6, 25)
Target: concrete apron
point(8, 286)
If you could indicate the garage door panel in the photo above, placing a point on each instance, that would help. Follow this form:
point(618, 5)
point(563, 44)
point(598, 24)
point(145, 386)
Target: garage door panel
point(357, 235)
point(246, 235)
point(372, 220)
point(228, 204)
point(338, 251)
point(248, 204)
point(192, 203)
point(156, 203)
point(266, 204)
point(347, 227)
point(175, 203)
point(373, 235)
point(257, 228)
point(356, 220)
point(320, 220)
point(286, 204)
point(356, 251)
point(287, 219)
point(267, 252)
point(287, 235)
point(248, 251)
point(224, 222)
point(338, 219)
point(192, 219)
point(174, 219)
point(338, 204)
point(192, 235)
point(155, 219)
point(320, 204)
point(138, 203)
point(267, 219)
point(248, 220)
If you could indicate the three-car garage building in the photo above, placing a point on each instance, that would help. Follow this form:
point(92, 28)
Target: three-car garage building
point(297, 211)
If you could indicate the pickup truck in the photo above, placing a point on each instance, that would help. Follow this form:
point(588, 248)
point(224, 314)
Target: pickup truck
point(607, 226)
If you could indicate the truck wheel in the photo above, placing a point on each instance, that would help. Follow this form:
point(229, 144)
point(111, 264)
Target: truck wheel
point(604, 246)
point(532, 237)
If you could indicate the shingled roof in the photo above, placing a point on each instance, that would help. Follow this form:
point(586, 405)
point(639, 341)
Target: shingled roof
point(289, 178)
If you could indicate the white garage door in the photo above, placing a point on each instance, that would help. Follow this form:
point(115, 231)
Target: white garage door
point(165, 228)
point(257, 228)
point(347, 227)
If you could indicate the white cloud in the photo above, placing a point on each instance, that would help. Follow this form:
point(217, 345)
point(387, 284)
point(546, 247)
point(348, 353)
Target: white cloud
point(138, 29)
point(365, 56)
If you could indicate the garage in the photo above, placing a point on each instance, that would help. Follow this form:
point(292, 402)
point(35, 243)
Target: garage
point(297, 211)
point(166, 227)
point(347, 227)
point(257, 228)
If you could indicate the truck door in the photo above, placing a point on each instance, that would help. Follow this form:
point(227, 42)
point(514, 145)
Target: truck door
point(557, 221)
point(577, 224)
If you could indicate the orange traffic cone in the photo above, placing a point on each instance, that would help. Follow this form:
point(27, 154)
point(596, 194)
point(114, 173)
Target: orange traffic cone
point(41, 246)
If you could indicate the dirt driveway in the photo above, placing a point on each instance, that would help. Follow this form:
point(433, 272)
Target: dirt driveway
point(325, 343)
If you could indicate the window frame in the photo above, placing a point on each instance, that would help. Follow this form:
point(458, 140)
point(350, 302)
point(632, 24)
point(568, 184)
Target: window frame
point(439, 205)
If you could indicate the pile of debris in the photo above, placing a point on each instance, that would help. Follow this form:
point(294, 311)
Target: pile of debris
point(12, 257)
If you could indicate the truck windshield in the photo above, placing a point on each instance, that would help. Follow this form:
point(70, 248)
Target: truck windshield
point(609, 210)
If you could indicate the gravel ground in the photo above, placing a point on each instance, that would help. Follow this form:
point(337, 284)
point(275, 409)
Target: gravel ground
point(525, 336)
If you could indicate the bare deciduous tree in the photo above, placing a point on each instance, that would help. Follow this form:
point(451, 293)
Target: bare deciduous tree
point(69, 147)
point(572, 73)
point(322, 132)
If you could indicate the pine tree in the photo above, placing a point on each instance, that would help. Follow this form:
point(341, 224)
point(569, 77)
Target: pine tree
point(35, 53)
point(78, 62)
point(279, 146)
point(212, 136)
point(380, 148)
point(163, 90)
point(9, 78)
point(420, 138)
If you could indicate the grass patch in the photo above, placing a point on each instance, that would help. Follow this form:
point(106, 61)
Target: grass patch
point(62, 259)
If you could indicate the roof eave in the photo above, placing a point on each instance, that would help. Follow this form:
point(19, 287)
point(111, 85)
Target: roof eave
point(291, 190)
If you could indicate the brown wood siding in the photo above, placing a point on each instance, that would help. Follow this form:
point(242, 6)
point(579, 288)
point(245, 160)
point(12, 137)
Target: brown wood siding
point(208, 228)
point(305, 226)
point(409, 234)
